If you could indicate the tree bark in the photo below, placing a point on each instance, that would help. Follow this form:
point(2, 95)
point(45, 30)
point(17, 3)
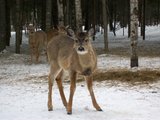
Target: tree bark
point(48, 14)
point(134, 32)
point(144, 18)
point(60, 12)
point(8, 25)
point(43, 13)
point(129, 19)
point(2, 25)
point(105, 23)
point(78, 15)
point(18, 26)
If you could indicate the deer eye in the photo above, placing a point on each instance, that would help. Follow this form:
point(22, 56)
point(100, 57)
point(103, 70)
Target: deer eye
point(76, 41)
point(86, 40)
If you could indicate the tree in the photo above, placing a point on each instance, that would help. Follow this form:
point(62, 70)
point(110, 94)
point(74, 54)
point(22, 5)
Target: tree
point(8, 25)
point(134, 32)
point(18, 26)
point(48, 14)
point(105, 24)
point(78, 15)
point(2, 25)
point(60, 12)
point(43, 14)
point(143, 18)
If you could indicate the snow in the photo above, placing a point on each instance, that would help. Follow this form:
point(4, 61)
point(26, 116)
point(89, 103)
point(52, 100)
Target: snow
point(24, 87)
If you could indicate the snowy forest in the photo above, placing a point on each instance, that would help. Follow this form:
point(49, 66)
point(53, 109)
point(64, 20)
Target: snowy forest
point(52, 52)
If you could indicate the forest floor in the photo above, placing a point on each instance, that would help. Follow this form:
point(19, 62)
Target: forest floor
point(124, 93)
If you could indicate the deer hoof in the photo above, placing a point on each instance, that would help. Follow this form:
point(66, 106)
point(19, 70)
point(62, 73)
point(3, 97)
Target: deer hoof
point(69, 113)
point(50, 109)
point(100, 109)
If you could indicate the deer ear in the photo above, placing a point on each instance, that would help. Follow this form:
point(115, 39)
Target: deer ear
point(71, 33)
point(91, 32)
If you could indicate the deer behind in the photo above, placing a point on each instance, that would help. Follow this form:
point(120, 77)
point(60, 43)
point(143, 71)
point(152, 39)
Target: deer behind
point(37, 43)
point(55, 31)
point(75, 54)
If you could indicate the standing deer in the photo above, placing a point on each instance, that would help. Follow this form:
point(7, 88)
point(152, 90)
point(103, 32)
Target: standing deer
point(75, 54)
point(37, 42)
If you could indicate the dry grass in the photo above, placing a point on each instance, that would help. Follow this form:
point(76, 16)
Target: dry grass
point(123, 75)
point(141, 76)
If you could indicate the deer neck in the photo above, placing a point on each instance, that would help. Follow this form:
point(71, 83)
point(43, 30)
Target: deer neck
point(88, 60)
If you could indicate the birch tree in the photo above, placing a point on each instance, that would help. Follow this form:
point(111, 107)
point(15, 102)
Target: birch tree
point(134, 32)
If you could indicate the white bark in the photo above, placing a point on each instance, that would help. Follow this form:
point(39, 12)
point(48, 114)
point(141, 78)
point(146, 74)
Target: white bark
point(134, 32)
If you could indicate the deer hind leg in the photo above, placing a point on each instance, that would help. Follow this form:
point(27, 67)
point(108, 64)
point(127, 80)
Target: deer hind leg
point(60, 87)
point(89, 81)
point(72, 90)
point(54, 71)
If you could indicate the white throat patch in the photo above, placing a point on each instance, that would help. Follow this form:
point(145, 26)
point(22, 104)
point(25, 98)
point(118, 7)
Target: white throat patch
point(82, 52)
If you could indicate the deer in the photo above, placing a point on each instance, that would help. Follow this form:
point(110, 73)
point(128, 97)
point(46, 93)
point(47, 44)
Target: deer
point(73, 53)
point(37, 42)
point(55, 31)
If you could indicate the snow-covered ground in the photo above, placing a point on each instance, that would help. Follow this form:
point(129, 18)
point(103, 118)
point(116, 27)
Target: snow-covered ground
point(24, 88)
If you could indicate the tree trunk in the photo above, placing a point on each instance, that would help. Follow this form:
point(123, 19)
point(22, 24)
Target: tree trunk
point(48, 14)
point(87, 15)
point(144, 19)
point(18, 26)
point(67, 13)
point(129, 17)
point(134, 32)
point(78, 15)
point(60, 12)
point(43, 13)
point(8, 25)
point(54, 12)
point(2, 25)
point(105, 23)
point(72, 15)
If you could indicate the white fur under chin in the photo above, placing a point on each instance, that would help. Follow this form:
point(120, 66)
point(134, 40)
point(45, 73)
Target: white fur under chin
point(82, 52)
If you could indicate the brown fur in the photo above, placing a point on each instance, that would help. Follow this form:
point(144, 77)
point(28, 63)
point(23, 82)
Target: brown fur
point(55, 31)
point(62, 54)
point(37, 43)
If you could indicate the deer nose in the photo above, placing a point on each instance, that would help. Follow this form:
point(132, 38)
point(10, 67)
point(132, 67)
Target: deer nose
point(81, 48)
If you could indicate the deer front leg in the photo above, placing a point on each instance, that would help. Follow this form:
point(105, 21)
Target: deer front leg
point(31, 53)
point(60, 87)
point(89, 81)
point(54, 71)
point(50, 84)
point(72, 90)
point(37, 55)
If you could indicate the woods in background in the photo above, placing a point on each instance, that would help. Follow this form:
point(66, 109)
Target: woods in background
point(44, 14)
